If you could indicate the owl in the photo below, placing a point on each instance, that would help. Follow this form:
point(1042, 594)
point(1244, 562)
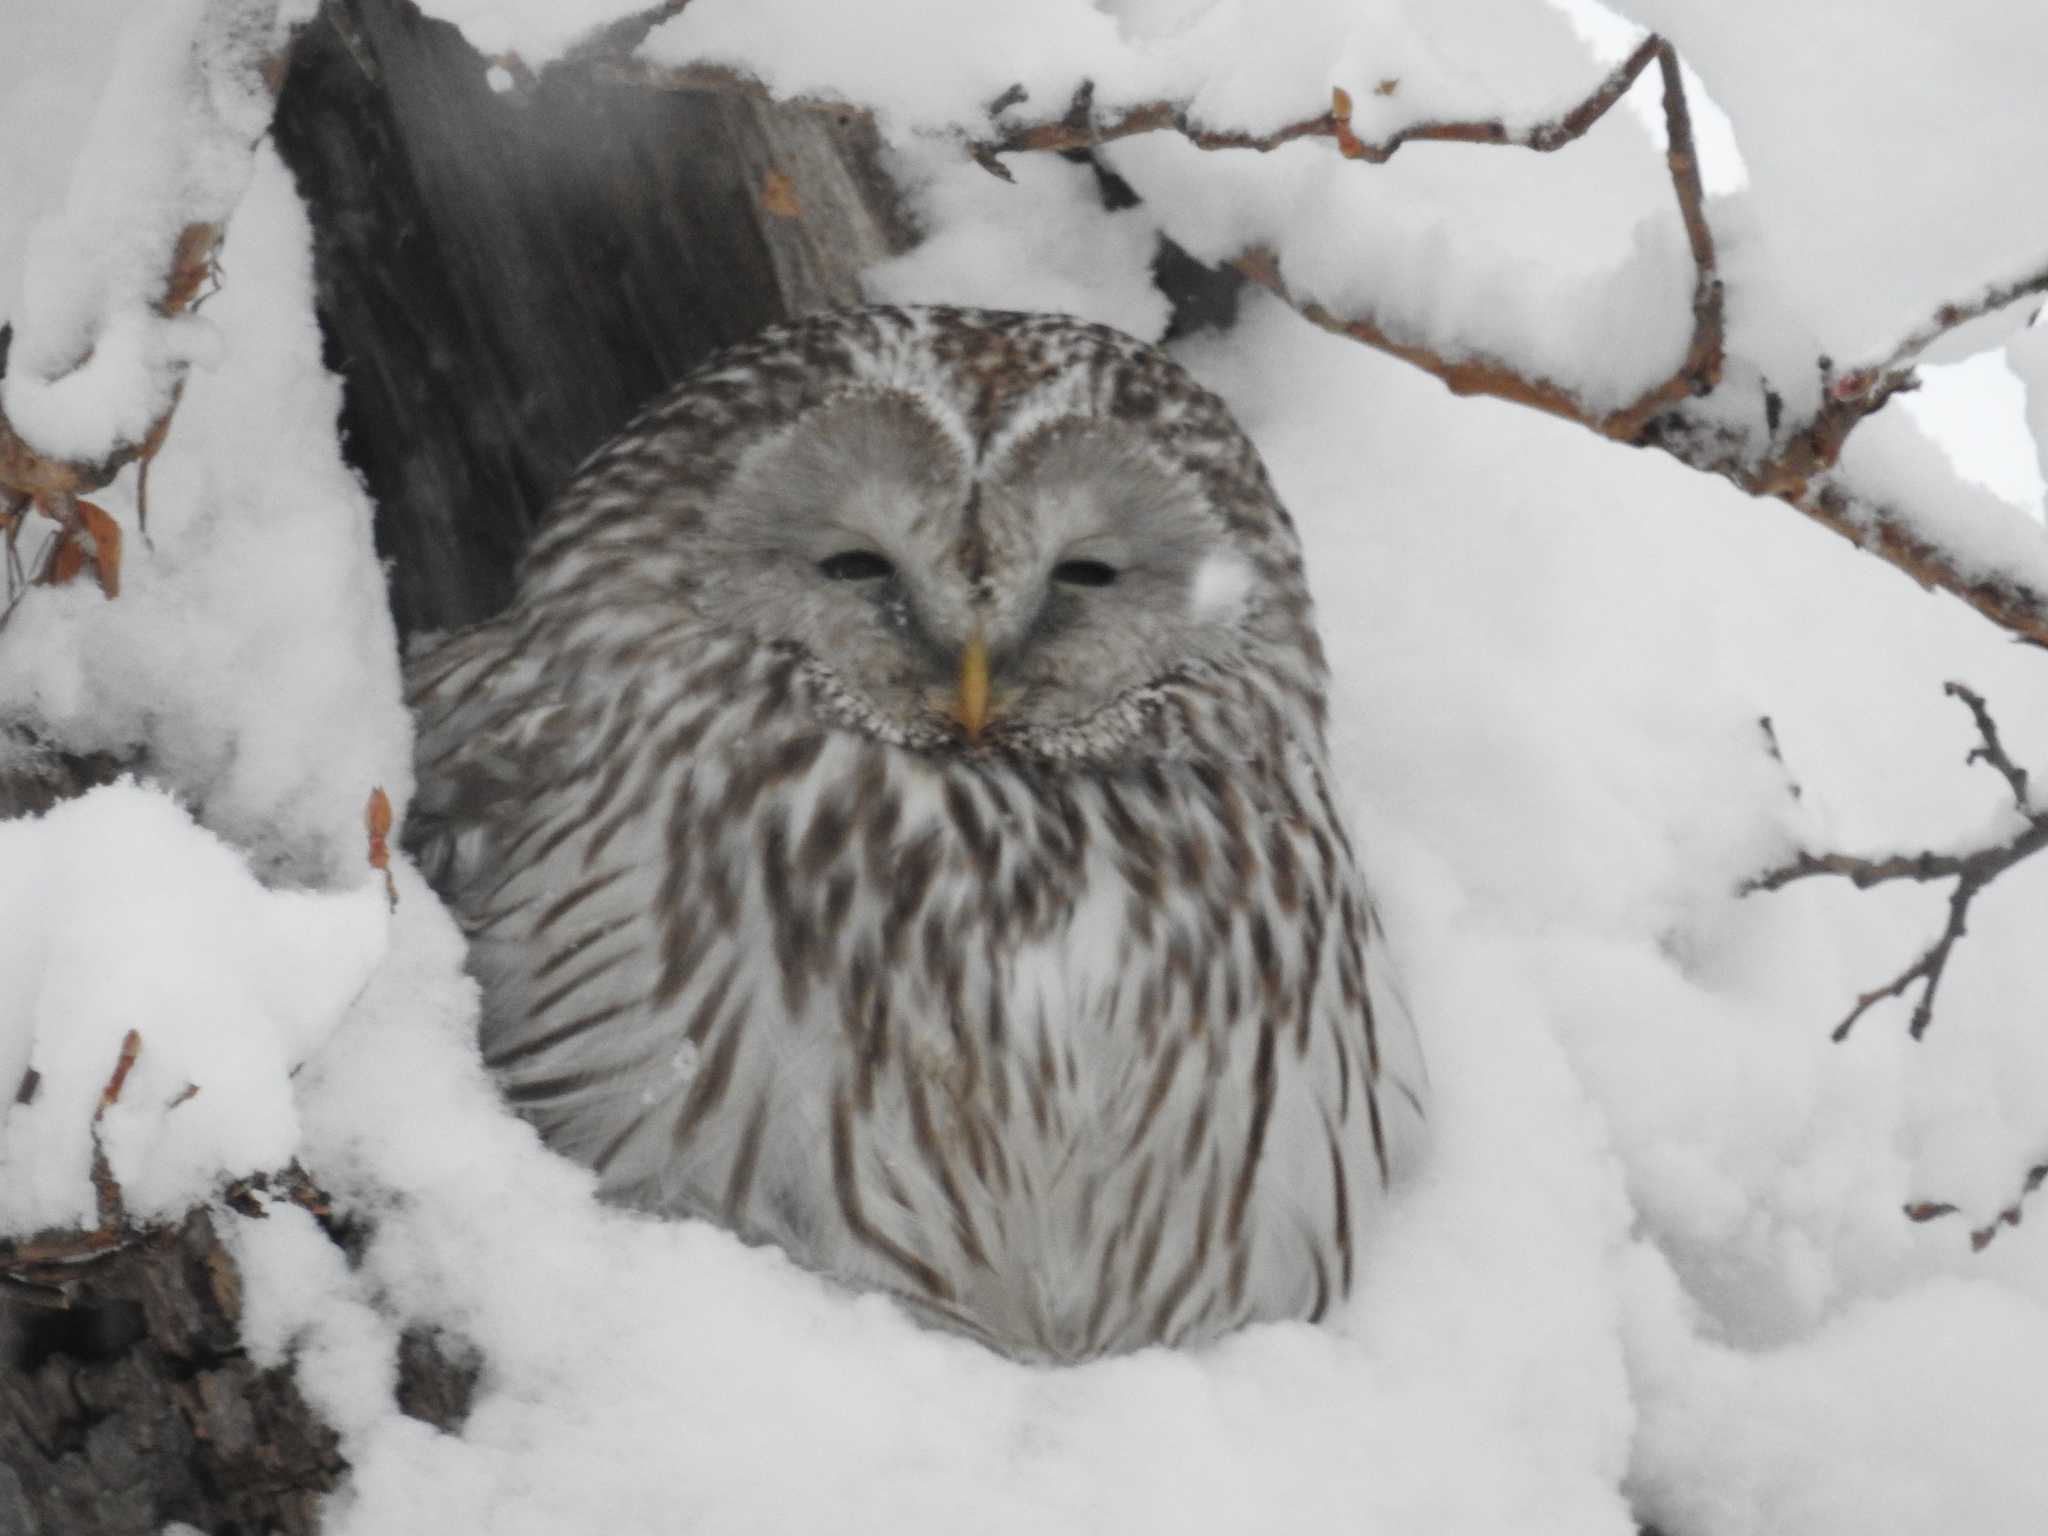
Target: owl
point(893, 822)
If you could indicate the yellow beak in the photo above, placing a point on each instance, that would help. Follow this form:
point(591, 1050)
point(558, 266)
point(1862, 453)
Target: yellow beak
point(970, 707)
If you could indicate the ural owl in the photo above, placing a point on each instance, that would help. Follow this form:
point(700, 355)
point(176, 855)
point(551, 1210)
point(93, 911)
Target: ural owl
point(893, 822)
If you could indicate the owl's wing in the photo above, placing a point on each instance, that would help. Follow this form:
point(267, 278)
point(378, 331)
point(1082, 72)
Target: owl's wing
point(489, 730)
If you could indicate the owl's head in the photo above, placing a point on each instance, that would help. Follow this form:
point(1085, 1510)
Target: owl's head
point(981, 532)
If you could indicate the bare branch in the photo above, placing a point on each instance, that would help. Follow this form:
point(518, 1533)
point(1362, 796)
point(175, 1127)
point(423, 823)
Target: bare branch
point(2008, 1216)
point(1777, 755)
point(1700, 369)
point(1992, 752)
point(1971, 871)
point(1078, 127)
point(106, 1189)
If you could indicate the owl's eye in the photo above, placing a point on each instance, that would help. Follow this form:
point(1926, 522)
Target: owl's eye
point(856, 565)
point(1084, 573)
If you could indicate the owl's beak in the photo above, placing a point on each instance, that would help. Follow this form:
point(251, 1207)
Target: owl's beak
point(970, 703)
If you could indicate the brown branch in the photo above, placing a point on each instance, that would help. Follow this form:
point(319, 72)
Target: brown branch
point(609, 53)
point(1471, 374)
point(1698, 371)
point(1791, 471)
point(1971, 871)
point(1078, 127)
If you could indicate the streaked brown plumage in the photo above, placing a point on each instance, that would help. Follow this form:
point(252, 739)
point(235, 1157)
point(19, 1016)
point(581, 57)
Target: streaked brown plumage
point(893, 821)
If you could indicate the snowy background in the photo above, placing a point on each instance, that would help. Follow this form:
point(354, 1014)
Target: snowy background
point(1657, 1267)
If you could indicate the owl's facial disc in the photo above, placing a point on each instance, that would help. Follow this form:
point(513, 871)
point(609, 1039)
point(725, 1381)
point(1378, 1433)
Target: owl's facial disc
point(988, 601)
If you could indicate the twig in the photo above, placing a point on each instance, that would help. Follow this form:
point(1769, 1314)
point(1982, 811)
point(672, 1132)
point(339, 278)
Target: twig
point(1949, 317)
point(1078, 128)
point(1992, 752)
point(1700, 369)
point(2008, 1216)
point(106, 1188)
point(1777, 755)
point(1972, 872)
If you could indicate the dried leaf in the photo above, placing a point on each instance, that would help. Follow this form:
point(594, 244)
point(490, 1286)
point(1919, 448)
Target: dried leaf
point(67, 559)
point(106, 546)
point(1340, 117)
point(1387, 87)
point(131, 1047)
point(377, 817)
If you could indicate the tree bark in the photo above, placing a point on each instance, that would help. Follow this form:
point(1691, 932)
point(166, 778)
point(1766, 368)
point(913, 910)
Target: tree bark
point(129, 1401)
point(504, 277)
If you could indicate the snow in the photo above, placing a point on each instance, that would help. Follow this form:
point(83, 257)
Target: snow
point(1976, 412)
point(1892, 460)
point(118, 913)
point(1075, 258)
point(1656, 1266)
point(2027, 355)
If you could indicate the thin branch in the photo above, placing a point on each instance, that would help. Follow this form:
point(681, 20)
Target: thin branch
point(107, 1189)
point(1777, 755)
point(1971, 871)
point(1953, 316)
point(1698, 371)
point(1992, 752)
point(2008, 1216)
point(1471, 374)
point(1079, 128)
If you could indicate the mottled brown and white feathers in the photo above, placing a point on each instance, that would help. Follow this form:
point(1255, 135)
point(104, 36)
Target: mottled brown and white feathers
point(893, 821)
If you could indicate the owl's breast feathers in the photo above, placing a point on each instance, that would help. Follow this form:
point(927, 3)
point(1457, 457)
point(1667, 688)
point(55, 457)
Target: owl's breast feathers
point(1074, 1060)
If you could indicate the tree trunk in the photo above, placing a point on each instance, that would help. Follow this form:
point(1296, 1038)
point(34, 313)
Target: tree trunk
point(505, 277)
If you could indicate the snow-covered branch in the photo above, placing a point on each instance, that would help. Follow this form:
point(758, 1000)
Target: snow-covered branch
point(1079, 128)
point(1689, 413)
point(104, 334)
